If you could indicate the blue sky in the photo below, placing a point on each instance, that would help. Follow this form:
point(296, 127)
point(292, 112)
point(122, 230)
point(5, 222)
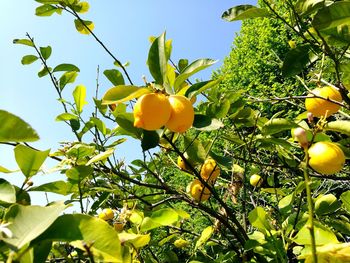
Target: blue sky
point(195, 26)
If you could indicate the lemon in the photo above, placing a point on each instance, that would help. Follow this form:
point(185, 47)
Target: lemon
point(198, 191)
point(151, 111)
point(256, 180)
point(210, 171)
point(181, 163)
point(106, 214)
point(118, 226)
point(182, 114)
point(320, 107)
point(181, 243)
point(326, 158)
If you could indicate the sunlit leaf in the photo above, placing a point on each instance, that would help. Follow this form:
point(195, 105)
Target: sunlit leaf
point(57, 187)
point(204, 237)
point(332, 16)
point(45, 52)
point(28, 222)
point(84, 27)
point(205, 123)
point(242, 12)
point(123, 93)
point(259, 219)
point(28, 59)
point(323, 235)
point(162, 217)
point(66, 117)
point(67, 77)
point(10, 123)
point(47, 10)
point(66, 67)
point(44, 71)
point(79, 95)
point(136, 240)
point(29, 160)
point(114, 76)
point(191, 69)
point(7, 192)
point(157, 59)
point(277, 125)
point(103, 240)
point(340, 126)
point(25, 42)
point(101, 156)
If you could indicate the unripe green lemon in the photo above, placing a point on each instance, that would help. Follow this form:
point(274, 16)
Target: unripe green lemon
point(326, 157)
point(320, 107)
point(256, 180)
point(151, 111)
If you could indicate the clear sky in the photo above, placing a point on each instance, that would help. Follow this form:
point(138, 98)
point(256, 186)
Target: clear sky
point(195, 26)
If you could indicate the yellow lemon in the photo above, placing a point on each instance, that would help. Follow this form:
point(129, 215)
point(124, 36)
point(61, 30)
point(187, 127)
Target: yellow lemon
point(151, 111)
point(181, 163)
point(198, 191)
point(182, 114)
point(326, 158)
point(320, 107)
point(256, 180)
point(210, 171)
point(106, 214)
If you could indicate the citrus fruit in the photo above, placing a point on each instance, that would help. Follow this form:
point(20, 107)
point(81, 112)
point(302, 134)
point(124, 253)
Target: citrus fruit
point(118, 226)
point(182, 114)
point(181, 163)
point(151, 111)
point(210, 171)
point(326, 157)
point(320, 107)
point(181, 243)
point(198, 191)
point(106, 214)
point(256, 180)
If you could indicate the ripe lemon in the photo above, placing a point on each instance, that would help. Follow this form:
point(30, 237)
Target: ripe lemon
point(320, 107)
point(151, 111)
point(106, 214)
point(182, 114)
point(198, 191)
point(256, 180)
point(326, 158)
point(210, 171)
point(181, 163)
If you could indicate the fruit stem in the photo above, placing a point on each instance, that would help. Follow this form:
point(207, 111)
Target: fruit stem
point(310, 204)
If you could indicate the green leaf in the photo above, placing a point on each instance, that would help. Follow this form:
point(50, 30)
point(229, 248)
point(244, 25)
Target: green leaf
point(84, 27)
point(29, 160)
point(204, 237)
point(81, 7)
point(5, 170)
point(195, 150)
point(46, 52)
point(259, 219)
point(53, 2)
point(28, 59)
point(7, 192)
point(57, 187)
point(242, 12)
point(162, 217)
point(183, 63)
point(26, 42)
point(345, 198)
point(44, 71)
point(101, 156)
point(191, 69)
point(326, 204)
point(323, 235)
point(41, 251)
point(277, 125)
point(78, 173)
point(66, 67)
point(28, 222)
point(123, 93)
point(66, 117)
point(157, 60)
point(150, 139)
point(46, 10)
point(305, 7)
point(338, 126)
point(67, 77)
point(126, 121)
point(332, 16)
point(9, 123)
point(205, 123)
point(296, 60)
point(99, 235)
point(199, 87)
point(79, 95)
point(114, 76)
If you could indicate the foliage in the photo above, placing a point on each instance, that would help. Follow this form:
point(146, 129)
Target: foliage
point(296, 214)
